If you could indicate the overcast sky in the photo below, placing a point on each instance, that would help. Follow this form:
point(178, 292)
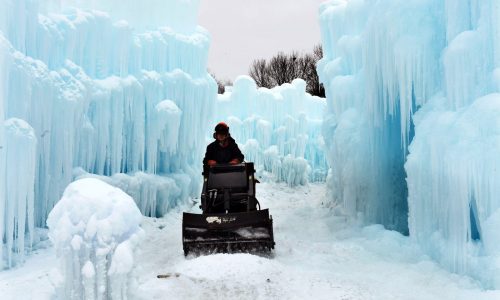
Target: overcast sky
point(243, 30)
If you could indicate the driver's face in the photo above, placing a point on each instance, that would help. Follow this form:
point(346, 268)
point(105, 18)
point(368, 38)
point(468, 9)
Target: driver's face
point(221, 137)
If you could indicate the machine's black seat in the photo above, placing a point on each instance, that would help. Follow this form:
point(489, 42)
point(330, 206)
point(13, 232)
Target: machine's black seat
point(228, 177)
point(229, 188)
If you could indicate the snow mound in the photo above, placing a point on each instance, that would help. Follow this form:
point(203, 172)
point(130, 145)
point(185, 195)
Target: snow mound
point(95, 229)
point(155, 195)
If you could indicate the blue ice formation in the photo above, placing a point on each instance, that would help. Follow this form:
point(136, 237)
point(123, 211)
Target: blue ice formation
point(142, 15)
point(95, 229)
point(18, 211)
point(279, 129)
point(93, 95)
point(413, 122)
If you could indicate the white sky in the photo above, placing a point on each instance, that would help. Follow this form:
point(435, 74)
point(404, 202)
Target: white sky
point(244, 30)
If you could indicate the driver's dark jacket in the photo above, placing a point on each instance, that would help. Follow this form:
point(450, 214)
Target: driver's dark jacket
point(223, 155)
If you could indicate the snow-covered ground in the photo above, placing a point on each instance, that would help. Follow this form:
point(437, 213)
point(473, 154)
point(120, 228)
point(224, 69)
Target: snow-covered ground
point(317, 256)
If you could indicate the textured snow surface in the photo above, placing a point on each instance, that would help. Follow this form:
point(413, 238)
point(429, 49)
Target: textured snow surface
point(95, 229)
point(318, 256)
point(416, 82)
point(279, 129)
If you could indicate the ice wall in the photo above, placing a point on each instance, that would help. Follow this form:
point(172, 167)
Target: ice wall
point(95, 228)
point(453, 163)
point(17, 175)
point(380, 64)
point(3, 170)
point(416, 82)
point(279, 129)
point(145, 14)
point(106, 98)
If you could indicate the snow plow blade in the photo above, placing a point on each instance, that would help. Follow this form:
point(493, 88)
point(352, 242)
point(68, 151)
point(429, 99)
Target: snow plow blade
point(250, 232)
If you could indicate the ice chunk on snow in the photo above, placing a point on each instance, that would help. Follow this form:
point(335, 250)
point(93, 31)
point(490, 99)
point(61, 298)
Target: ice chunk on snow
point(294, 170)
point(95, 229)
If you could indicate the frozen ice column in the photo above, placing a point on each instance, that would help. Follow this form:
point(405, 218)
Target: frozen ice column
point(2, 154)
point(95, 229)
point(17, 198)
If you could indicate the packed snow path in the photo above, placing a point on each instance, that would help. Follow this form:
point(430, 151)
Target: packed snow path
point(317, 256)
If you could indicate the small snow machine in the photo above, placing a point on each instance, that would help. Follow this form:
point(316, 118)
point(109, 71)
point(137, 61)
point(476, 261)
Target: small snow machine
point(232, 220)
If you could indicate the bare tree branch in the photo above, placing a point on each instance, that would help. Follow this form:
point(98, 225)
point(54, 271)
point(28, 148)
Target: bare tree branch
point(283, 68)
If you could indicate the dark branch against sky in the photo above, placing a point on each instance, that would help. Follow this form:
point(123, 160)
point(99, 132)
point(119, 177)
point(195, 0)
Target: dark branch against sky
point(244, 30)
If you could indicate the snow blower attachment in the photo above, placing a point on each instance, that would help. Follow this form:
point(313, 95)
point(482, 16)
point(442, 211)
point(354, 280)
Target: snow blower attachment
point(232, 220)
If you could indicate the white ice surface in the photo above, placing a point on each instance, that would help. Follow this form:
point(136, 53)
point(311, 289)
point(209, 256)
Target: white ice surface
point(317, 256)
point(95, 229)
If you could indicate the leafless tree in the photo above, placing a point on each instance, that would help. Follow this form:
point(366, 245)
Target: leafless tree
point(318, 52)
point(221, 83)
point(313, 85)
point(283, 68)
point(279, 69)
point(260, 73)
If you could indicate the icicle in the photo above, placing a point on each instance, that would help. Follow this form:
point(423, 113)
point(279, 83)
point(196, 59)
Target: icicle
point(20, 162)
point(3, 146)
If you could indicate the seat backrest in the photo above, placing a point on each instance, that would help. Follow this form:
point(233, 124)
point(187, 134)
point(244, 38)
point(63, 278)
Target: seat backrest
point(228, 177)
